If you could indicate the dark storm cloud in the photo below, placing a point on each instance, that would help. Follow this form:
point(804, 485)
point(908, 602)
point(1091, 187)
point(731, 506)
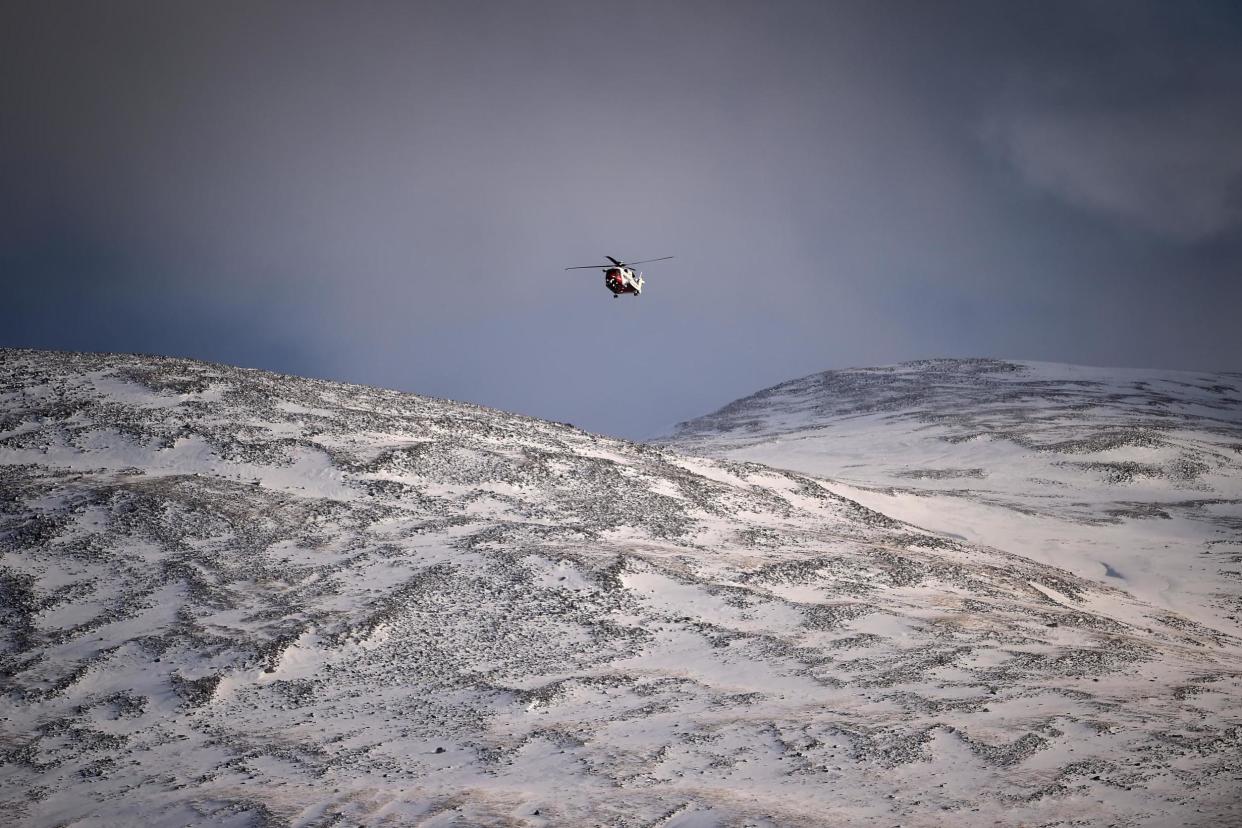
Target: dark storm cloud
point(387, 192)
point(1142, 124)
point(1181, 178)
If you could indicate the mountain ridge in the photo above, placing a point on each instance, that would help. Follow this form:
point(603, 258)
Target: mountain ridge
point(235, 597)
point(1102, 471)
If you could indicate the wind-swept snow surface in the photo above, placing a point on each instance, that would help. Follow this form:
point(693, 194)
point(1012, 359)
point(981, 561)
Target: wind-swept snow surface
point(1133, 478)
point(232, 597)
point(1130, 478)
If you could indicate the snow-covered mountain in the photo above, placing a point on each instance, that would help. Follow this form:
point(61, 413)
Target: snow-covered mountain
point(1130, 477)
point(232, 597)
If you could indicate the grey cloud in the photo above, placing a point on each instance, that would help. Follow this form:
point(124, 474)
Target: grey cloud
point(1175, 170)
point(1131, 111)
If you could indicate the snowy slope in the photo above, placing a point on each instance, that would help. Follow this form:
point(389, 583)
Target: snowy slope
point(232, 597)
point(1130, 477)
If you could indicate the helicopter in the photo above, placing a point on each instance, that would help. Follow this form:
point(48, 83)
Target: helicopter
point(620, 277)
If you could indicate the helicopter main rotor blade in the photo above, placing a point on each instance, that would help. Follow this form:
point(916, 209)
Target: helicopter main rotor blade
point(617, 263)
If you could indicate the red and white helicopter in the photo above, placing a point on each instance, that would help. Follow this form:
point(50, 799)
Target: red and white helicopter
point(620, 277)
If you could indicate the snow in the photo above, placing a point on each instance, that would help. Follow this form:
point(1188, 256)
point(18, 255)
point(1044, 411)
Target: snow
point(963, 452)
point(237, 598)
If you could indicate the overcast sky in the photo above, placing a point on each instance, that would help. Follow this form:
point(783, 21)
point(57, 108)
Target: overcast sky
point(388, 193)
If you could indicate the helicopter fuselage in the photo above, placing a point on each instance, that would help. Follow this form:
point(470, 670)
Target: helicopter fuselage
point(623, 280)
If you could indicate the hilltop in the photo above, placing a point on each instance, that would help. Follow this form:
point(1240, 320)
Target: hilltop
point(235, 597)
